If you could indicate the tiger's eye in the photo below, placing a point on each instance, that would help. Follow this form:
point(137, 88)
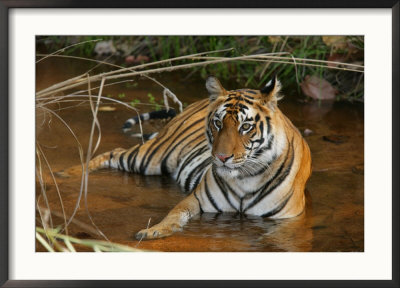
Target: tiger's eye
point(246, 126)
point(218, 124)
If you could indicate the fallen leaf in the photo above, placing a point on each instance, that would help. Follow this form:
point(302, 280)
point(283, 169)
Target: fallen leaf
point(107, 108)
point(274, 39)
point(318, 88)
point(142, 58)
point(336, 42)
point(130, 59)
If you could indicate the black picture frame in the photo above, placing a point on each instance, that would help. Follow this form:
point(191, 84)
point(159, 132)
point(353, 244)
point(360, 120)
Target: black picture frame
point(6, 5)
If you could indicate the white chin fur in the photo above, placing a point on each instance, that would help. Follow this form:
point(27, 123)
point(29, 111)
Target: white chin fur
point(226, 172)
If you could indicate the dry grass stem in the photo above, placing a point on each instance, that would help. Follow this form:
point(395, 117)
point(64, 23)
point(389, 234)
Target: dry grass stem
point(99, 76)
point(119, 73)
point(96, 245)
point(55, 185)
point(80, 150)
point(269, 59)
point(90, 152)
point(66, 48)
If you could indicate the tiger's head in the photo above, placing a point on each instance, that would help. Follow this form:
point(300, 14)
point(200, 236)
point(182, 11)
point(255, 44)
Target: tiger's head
point(241, 128)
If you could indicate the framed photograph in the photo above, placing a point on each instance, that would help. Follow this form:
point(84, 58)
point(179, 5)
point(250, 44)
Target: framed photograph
point(199, 142)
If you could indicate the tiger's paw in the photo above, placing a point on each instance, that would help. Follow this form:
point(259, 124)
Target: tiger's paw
point(158, 231)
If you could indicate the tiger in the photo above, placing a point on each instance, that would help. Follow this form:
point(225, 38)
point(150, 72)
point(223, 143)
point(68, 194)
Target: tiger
point(234, 151)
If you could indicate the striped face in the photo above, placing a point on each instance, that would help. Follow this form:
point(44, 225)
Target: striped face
point(240, 130)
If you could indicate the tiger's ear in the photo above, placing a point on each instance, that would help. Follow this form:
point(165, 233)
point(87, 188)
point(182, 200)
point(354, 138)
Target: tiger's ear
point(270, 92)
point(214, 88)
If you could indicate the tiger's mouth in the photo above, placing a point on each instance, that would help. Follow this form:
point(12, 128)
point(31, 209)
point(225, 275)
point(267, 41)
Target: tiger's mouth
point(228, 171)
point(228, 165)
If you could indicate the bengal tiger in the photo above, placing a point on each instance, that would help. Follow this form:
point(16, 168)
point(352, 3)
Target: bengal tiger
point(234, 152)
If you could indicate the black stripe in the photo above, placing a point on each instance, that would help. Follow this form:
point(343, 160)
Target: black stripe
point(268, 124)
point(197, 181)
point(270, 140)
point(111, 157)
point(277, 179)
point(277, 173)
point(209, 136)
point(210, 198)
point(130, 157)
point(263, 149)
point(134, 161)
point(257, 117)
point(260, 171)
point(190, 111)
point(254, 134)
point(226, 184)
point(222, 189)
point(164, 169)
point(195, 196)
point(129, 124)
point(190, 158)
point(278, 208)
point(121, 161)
point(247, 101)
point(147, 159)
point(251, 92)
point(200, 168)
point(261, 140)
point(147, 136)
point(161, 114)
point(203, 142)
point(243, 106)
point(248, 97)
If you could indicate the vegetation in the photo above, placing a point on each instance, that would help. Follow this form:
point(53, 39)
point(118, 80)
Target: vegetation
point(65, 243)
point(134, 50)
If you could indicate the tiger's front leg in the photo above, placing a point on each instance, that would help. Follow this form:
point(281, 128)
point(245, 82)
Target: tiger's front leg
point(174, 221)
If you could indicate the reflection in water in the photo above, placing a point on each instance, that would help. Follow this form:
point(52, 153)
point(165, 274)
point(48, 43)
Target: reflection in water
point(261, 234)
point(295, 234)
point(122, 204)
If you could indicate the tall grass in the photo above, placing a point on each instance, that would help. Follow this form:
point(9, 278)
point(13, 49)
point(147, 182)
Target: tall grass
point(349, 49)
point(65, 243)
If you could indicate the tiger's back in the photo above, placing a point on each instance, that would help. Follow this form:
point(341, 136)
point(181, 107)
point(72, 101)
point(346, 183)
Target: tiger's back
point(179, 150)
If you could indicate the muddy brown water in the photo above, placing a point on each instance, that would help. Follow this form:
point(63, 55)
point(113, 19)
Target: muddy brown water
point(121, 204)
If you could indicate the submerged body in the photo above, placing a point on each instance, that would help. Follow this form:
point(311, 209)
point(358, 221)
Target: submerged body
point(233, 152)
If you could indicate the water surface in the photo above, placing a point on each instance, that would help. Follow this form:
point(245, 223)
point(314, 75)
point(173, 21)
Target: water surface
point(121, 204)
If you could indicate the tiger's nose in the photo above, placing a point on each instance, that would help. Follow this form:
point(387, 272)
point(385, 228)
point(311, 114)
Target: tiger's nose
point(223, 157)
